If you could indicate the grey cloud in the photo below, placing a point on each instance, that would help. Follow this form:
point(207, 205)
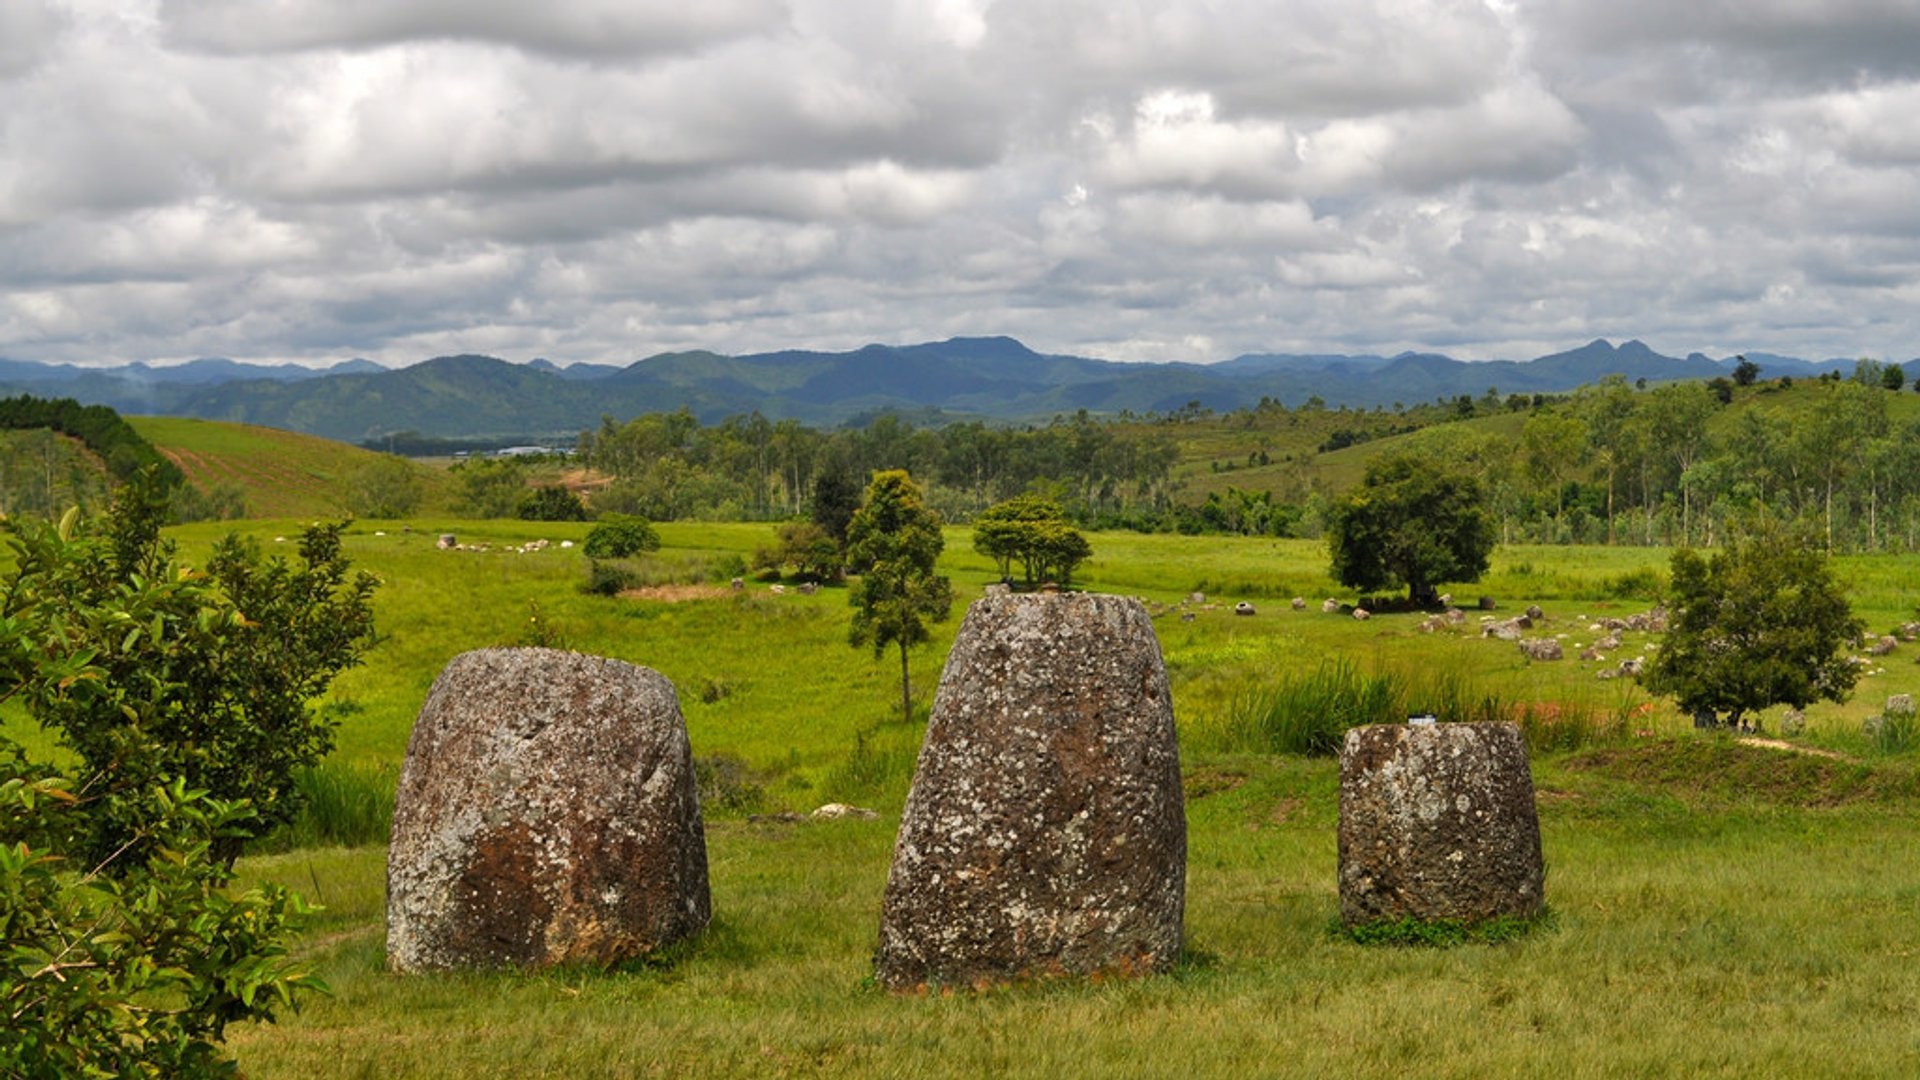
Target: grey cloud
point(28, 31)
point(586, 28)
point(1151, 180)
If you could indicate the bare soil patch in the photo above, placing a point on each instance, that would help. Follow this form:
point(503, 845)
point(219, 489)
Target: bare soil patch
point(676, 594)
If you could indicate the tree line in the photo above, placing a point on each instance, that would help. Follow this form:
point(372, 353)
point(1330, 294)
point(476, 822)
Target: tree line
point(666, 466)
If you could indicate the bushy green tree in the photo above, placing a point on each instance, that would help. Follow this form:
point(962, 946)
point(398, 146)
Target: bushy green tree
point(1411, 522)
point(550, 502)
point(1034, 531)
point(1760, 623)
point(893, 541)
point(617, 536)
point(806, 548)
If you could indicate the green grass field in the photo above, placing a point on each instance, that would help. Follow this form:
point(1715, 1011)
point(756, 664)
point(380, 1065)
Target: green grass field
point(1720, 909)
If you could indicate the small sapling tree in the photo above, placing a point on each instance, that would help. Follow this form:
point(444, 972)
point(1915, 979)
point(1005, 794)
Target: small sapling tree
point(892, 542)
point(1760, 623)
point(1411, 522)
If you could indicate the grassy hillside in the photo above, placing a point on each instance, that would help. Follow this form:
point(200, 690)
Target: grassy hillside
point(279, 473)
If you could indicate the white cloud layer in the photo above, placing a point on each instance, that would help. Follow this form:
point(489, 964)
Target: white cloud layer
point(603, 179)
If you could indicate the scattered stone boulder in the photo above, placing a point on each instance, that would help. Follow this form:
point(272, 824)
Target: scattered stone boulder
point(546, 814)
point(1487, 604)
point(777, 590)
point(1045, 832)
point(1186, 616)
point(1883, 646)
point(1899, 703)
point(833, 811)
point(1534, 612)
point(1329, 606)
point(1505, 629)
point(1299, 603)
point(999, 588)
point(1909, 631)
point(1446, 599)
point(1542, 649)
point(739, 584)
point(1362, 614)
point(1437, 822)
point(447, 542)
point(1633, 666)
point(1653, 622)
point(1608, 643)
point(1196, 598)
point(1591, 652)
point(1243, 608)
point(808, 588)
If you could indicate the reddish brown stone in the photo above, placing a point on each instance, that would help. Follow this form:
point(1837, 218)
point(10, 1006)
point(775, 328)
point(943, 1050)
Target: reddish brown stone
point(1046, 831)
point(546, 815)
point(1437, 822)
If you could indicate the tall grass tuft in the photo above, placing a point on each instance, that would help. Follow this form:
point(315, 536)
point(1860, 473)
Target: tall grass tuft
point(1310, 714)
point(343, 805)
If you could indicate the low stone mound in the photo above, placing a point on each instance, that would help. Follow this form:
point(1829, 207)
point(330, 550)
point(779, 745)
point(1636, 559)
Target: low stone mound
point(1045, 832)
point(1542, 649)
point(1437, 822)
point(546, 815)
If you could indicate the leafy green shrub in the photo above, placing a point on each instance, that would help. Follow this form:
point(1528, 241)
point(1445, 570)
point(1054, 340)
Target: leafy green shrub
point(133, 965)
point(182, 698)
point(617, 536)
point(202, 676)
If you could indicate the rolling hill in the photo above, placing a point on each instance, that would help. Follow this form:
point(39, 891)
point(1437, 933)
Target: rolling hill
point(987, 377)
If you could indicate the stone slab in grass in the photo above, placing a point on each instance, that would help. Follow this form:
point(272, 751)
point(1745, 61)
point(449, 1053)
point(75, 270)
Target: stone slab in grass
point(1045, 833)
point(1437, 823)
point(546, 815)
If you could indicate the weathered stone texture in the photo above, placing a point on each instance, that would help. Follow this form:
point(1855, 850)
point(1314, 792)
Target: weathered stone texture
point(546, 814)
point(1437, 822)
point(1046, 831)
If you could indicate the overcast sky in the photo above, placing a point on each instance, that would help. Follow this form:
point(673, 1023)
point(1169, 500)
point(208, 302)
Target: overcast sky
point(602, 180)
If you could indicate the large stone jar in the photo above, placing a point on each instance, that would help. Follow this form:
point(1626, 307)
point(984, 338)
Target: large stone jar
point(546, 815)
point(1437, 822)
point(1045, 832)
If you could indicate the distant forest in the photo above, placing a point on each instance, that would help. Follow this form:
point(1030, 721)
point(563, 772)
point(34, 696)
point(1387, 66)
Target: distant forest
point(1611, 463)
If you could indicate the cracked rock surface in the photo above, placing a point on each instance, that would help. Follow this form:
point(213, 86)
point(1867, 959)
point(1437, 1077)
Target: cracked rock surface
point(1437, 822)
point(1046, 831)
point(546, 815)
